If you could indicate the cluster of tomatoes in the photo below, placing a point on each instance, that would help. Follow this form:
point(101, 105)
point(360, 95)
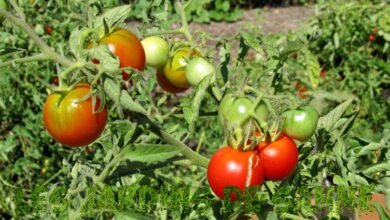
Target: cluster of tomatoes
point(75, 122)
point(248, 162)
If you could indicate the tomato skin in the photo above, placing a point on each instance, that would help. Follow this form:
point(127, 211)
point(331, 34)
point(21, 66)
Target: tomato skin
point(164, 83)
point(279, 158)
point(71, 123)
point(230, 167)
point(197, 69)
point(301, 124)
point(174, 70)
point(233, 109)
point(156, 51)
point(371, 38)
point(127, 47)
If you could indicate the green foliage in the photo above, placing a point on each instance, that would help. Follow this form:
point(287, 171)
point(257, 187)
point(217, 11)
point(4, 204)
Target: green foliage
point(153, 138)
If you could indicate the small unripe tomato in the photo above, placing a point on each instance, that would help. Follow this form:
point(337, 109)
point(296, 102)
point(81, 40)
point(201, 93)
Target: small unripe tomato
point(174, 70)
point(156, 51)
point(301, 124)
point(197, 69)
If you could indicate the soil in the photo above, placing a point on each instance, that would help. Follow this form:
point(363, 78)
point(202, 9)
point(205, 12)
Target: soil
point(265, 21)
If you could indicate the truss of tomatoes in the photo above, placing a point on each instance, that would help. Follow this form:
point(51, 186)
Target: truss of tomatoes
point(274, 161)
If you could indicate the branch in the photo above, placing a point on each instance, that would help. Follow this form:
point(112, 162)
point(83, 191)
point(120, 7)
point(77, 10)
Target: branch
point(37, 57)
point(40, 43)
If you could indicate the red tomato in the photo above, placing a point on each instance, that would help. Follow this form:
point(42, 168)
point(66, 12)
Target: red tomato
point(323, 73)
point(55, 81)
point(164, 83)
point(278, 158)
point(371, 38)
point(294, 56)
point(70, 122)
point(127, 47)
point(230, 167)
point(301, 90)
point(48, 29)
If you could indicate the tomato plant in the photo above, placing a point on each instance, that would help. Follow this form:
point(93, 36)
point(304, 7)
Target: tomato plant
point(156, 51)
point(233, 110)
point(301, 124)
point(127, 47)
point(71, 122)
point(164, 83)
point(174, 70)
point(197, 69)
point(278, 158)
point(230, 167)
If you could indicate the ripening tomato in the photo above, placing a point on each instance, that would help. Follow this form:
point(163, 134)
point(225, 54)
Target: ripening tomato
point(127, 47)
point(278, 158)
point(197, 69)
point(156, 51)
point(164, 83)
point(71, 122)
point(48, 29)
point(230, 167)
point(301, 124)
point(174, 70)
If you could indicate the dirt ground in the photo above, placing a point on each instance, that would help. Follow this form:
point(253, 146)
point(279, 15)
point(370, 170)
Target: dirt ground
point(265, 21)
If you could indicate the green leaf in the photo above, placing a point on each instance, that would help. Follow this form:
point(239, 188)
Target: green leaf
point(339, 181)
point(328, 121)
point(191, 107)
point(112, 89)
point(381, 211)
point(113, 17)
point(149, 153)
point(128, 103)
point(131, 216)
point(106, 58)
point(313, 69)
point(368, 149)
point(382, 167)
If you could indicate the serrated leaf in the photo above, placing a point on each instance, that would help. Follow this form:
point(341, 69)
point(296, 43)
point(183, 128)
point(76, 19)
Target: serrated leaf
point(149, 153)
point(112, 89)
point(382, 167)
point(74, 43)
point(252, 42)
point(191, 107)
point(328, 121)
point(113, 17)
point(339, 181)
point(368, 149)
point(128, 103)
point(106, 58)
point(313, 69)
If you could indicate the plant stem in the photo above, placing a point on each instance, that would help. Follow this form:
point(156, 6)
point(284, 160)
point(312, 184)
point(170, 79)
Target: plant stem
point(40, 43)
point(37, 57)
point(184, 23)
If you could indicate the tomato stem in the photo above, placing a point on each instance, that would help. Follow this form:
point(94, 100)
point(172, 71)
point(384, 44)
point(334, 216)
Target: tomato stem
point(37, 57)
point(184, 22)
point(40, 43)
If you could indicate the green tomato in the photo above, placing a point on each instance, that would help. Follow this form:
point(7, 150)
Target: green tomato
point(233, 109)
point(301, 124)
point(197, 69)
point(156, 51)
